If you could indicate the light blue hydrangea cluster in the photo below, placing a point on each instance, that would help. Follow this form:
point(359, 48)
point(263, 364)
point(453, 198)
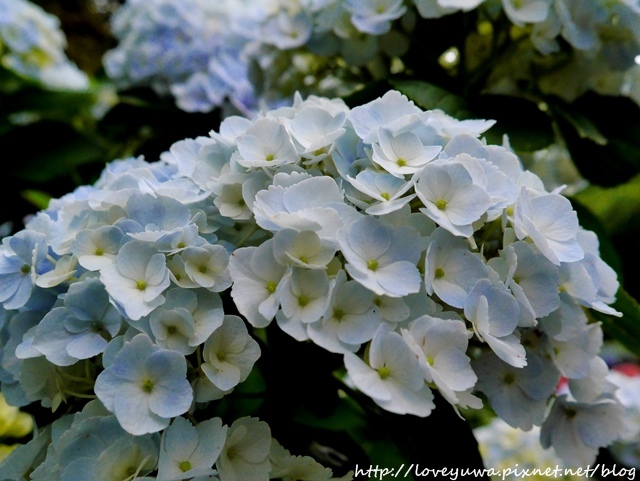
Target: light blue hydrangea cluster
point(504, 447)
point(258, 54)
point(186, 48)
point(392, 236)
point(253, 53)
point(32, 46)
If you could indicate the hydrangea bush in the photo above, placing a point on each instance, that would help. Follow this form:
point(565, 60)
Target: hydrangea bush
point(261, 53)
point(32, 46)
point(395, 238)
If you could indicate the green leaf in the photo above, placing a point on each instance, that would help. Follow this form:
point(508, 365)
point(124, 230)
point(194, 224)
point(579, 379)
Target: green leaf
point(602, 134)
point(617, 208)
point(5, 127)
point(582, 125)
point(428, 97)
point(625, 329)
point(527, 126)
point(49, 104)
point(368, 93)
point(348, 416)
point(11, 83)
point(253, 385)
point(387, 457)
point(48, 150)
point(37, 198)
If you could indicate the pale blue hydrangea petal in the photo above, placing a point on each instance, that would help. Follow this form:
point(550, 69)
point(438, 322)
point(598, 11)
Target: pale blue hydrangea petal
point(137, 279)
point(171, 394)
point(256, 276)
point(229, 354)
point(145, 386)
point(193, 447)
point(24, 258)
point(577, 430)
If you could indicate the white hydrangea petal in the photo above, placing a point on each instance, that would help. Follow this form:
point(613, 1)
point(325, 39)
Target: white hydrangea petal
point(509, 349)
point(526, 11)
point(382, 111)
point(551, 223)
point(365, 378)
point(324, 333)
point(128, 406)
point(224, 374)
point(399, 279)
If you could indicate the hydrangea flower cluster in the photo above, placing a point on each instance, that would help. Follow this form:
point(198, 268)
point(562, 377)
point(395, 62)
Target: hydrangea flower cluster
point(205, 54)
point(260, 54)
point(505, 448)
point(184, 48)
point(32, 46)
point(391, 236)
point(603, 37)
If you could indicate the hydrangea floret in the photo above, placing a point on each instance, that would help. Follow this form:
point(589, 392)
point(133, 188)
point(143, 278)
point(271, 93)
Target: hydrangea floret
point(468, 287)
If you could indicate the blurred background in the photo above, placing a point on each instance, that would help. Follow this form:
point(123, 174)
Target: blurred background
point(55, 139)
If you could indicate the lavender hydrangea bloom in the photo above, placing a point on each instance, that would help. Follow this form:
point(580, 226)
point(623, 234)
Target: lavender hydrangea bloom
point(185, 48)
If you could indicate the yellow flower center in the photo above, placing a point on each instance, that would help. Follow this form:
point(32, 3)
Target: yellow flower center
point(147, 385)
